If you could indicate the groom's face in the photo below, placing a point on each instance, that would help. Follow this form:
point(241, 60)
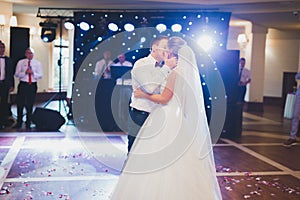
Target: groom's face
point(161, 49)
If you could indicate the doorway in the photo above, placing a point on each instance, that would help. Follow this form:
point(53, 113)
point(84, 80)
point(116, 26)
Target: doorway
point(288, 85)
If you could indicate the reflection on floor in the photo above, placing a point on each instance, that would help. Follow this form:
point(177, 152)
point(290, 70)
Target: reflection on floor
point(73, 165)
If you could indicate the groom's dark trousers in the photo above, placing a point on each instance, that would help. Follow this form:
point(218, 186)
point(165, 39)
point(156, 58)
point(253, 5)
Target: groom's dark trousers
point(135, 121)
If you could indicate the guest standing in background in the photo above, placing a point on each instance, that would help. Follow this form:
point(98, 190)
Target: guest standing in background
point(102, 68)
point(6, 86)
point(29, 71)
point(123, 61)
point(295, 120)
point(244, 79)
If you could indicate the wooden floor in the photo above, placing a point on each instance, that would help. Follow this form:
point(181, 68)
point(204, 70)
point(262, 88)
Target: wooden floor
point(85, 165)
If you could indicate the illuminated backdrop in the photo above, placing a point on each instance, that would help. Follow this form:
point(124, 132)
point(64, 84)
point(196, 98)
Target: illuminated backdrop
point(194, 24)
point(127, 31)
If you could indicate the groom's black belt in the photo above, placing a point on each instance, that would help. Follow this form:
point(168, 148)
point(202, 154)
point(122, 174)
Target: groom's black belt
point(138, 111)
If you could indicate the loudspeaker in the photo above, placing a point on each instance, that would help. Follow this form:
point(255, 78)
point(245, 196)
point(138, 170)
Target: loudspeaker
point(227, 62)
point(233, 123)
point(47, 120)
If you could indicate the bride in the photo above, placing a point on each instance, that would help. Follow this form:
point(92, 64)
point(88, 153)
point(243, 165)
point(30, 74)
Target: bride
point(172, 156)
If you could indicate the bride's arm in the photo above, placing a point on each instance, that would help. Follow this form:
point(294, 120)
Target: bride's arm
point(162, 98)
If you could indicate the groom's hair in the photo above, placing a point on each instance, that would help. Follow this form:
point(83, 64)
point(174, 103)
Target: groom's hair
point(156, 40)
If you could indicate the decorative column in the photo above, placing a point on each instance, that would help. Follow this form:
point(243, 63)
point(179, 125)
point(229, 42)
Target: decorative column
point(256, 63)
point(71, 64)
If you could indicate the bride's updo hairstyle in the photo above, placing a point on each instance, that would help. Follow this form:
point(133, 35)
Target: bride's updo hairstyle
point(175, 43)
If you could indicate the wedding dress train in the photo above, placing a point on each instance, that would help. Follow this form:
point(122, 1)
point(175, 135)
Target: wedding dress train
point(172, 157)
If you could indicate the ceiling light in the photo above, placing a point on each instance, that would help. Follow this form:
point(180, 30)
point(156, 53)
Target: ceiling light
point(129, 27)
point(84, 26)
point(69, 24)
point(113, 27)
point(176, 27)
point(161, 27)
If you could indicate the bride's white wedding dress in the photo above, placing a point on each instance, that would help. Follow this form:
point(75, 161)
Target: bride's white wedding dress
point(172, 157)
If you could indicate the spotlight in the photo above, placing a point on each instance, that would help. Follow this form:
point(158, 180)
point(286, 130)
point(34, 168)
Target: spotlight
point(161, 27)
point(69, 24)
point(113, 27)
point(84, 26)
point(143, 39)
point(129, 27)
point(176, 27)
point(206, 42)
point(100, 39)
point(48, 32)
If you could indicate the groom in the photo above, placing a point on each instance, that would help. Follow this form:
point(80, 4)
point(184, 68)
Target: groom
point(149, 74)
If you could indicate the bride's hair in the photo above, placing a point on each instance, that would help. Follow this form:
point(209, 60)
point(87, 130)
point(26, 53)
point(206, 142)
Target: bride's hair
point(175, 43)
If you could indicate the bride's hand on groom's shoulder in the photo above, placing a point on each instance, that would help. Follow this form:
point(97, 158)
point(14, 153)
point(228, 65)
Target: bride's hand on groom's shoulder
point(171, 62)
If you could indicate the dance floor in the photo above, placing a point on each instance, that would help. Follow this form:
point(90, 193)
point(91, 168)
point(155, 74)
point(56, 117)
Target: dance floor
point(85, 165)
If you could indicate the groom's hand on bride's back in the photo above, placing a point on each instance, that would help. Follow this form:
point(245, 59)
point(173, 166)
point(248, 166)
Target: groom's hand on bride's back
point(171, 62)
point(139, 93)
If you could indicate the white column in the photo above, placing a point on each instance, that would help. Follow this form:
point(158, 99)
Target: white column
point(257, 40)
point(71, 67)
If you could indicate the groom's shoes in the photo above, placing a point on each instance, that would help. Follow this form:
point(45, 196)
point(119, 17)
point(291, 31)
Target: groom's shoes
point(28, 127)
point(17, 126)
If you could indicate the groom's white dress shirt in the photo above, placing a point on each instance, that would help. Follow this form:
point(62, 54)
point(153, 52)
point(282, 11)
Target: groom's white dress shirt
point(150, 78)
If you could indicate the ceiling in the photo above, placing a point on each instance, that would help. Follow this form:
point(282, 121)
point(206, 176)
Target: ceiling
point(283, 15)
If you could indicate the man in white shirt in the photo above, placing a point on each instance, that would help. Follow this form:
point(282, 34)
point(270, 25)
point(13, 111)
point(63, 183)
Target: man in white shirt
point(295, 120)
point(29, 71)
point(102, 68)
point(147, 75)
point(123, 61)
point(244, 79)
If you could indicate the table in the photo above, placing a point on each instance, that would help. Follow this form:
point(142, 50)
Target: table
point(289, 106)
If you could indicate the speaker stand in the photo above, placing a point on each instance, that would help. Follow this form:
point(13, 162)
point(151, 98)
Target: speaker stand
point(61, 100)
